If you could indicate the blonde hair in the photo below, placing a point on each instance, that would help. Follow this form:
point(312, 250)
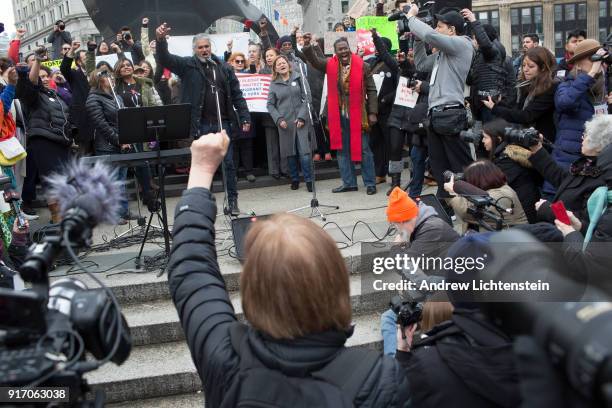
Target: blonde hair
point(294, 281)
point(236, 55)
point(276, 74)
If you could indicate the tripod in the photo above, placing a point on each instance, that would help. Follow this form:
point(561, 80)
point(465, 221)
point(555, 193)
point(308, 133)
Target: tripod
point(315, 207)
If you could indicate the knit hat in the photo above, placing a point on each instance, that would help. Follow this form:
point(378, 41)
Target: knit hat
point(284, 39)
point(585, 49)
point(401, 208)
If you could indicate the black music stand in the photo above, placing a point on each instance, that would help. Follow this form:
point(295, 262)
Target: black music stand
point(155, 124)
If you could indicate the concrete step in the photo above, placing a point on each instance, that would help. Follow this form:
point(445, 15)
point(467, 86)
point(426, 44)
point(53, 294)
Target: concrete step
point(158, 322)
point(192, 400)
point(132, 287)
point(166, 369)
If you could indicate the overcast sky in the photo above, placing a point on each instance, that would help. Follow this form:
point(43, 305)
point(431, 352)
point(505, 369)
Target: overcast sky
point(6, 16)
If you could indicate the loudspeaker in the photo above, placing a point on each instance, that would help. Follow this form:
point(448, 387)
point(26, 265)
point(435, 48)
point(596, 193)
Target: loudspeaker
point(455, 4)
point(240, 227)
point(432, 201)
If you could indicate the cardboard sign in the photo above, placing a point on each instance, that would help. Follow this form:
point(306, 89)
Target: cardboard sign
point(331, 37)
point(112, 58)
point(405, 96)
point(383, 26)
point(182, 45)
point(255, 89)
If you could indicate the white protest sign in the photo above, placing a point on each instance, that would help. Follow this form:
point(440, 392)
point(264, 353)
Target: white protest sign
point(323, 95)
point(182, 45)
point(378, 80)
point(112, 58)
point(405, 96)
point(255, 88)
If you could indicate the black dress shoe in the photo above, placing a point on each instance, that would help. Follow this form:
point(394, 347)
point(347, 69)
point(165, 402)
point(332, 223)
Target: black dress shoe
point(343, 189)
point(295, 185)
point(371, 190)
point(309, 186)
point(233, 207)
point(276, 176)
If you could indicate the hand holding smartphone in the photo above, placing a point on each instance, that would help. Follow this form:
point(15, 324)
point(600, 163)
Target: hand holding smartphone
point(560, 212)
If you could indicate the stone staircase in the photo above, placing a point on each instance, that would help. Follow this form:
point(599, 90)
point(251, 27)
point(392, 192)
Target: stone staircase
point(159, 371)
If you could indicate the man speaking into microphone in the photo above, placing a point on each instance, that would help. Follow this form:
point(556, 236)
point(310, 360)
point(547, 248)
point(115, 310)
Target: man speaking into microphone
point(212, 89)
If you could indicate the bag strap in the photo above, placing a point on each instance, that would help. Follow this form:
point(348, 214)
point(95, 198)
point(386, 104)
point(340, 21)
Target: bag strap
point(349, 370)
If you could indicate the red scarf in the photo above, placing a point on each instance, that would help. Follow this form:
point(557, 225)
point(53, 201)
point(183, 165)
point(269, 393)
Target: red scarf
point(567, 58)
point(355, 101)
point(7, 124)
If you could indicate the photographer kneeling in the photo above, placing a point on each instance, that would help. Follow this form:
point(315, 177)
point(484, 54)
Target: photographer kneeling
point(298, 308)
point(513, 160)
point(486, 176)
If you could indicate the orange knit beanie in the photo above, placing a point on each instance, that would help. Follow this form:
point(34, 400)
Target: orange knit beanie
point(401, 208)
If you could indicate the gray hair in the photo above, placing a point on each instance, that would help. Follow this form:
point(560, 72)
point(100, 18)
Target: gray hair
point(598, 132)
point(199, 37)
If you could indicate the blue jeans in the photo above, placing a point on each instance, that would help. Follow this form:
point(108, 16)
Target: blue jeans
point(418, 155)
point(388, 327)
point(292, 163)
point(346, 165)
point(228, 162)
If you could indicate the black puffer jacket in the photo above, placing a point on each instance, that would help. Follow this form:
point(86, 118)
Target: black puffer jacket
point(48, 114)
point(206, 314)
point(102, 112)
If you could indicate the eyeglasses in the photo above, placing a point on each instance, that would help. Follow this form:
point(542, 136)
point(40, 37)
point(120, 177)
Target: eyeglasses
point(239, 61)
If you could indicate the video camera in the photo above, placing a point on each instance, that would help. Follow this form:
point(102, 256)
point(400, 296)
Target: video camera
point(448, 175)
point(425, 15)
point(408, 312)
point(12, 198)
point(45, 332)
point(522, 137)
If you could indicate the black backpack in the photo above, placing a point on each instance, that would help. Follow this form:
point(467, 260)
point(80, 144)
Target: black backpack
point(258, 386)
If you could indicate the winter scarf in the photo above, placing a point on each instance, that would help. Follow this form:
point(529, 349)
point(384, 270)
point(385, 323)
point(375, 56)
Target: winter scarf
point(597, 205)
point(356, 89)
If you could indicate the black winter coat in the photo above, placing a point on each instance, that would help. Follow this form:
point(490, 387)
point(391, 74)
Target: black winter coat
point(520, 176)
point(472, 367)
point(48, 115)
point(102, 111)
point(407, 119)
point(206, 313)
point(574, 187)
point(79, 84)
point(386, 64)
point(193, 83)
point(540, 113)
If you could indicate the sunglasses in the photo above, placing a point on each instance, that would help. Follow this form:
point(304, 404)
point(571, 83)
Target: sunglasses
point(239, 61)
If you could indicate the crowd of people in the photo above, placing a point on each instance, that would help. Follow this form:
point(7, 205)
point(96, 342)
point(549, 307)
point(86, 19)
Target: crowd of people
point(541, 135)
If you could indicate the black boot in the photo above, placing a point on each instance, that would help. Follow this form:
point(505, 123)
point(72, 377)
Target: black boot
point(396, 181)
point(233, 207)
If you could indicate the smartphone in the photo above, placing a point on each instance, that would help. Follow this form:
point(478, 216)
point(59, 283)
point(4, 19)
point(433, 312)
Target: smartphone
point(560, 212)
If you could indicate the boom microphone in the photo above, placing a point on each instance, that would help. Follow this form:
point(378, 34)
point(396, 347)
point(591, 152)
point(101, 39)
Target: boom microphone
point(87, 196)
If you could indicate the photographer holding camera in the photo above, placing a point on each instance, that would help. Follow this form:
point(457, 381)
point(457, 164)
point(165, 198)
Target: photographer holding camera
point(585, 175)
point(486, 176)
point(513, 161)
point(488, 75)
point(450, 68)
point(57, 38)
point(125, 41)
point(466, 361)
point(299, 311)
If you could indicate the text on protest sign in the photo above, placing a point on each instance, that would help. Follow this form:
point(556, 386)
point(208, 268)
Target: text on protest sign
point(255, 89)
point(383, 26)
point(404, 95)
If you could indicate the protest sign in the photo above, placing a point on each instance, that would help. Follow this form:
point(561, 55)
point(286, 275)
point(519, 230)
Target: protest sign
point(255, 88)
point(182, 45)
point(112, 58)
point(383, 26)
point(332, 36)
point(404, 95)
point(53, 64)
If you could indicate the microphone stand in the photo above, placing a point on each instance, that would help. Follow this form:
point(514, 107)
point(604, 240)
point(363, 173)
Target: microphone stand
point(213, 85)
point(315, 207)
